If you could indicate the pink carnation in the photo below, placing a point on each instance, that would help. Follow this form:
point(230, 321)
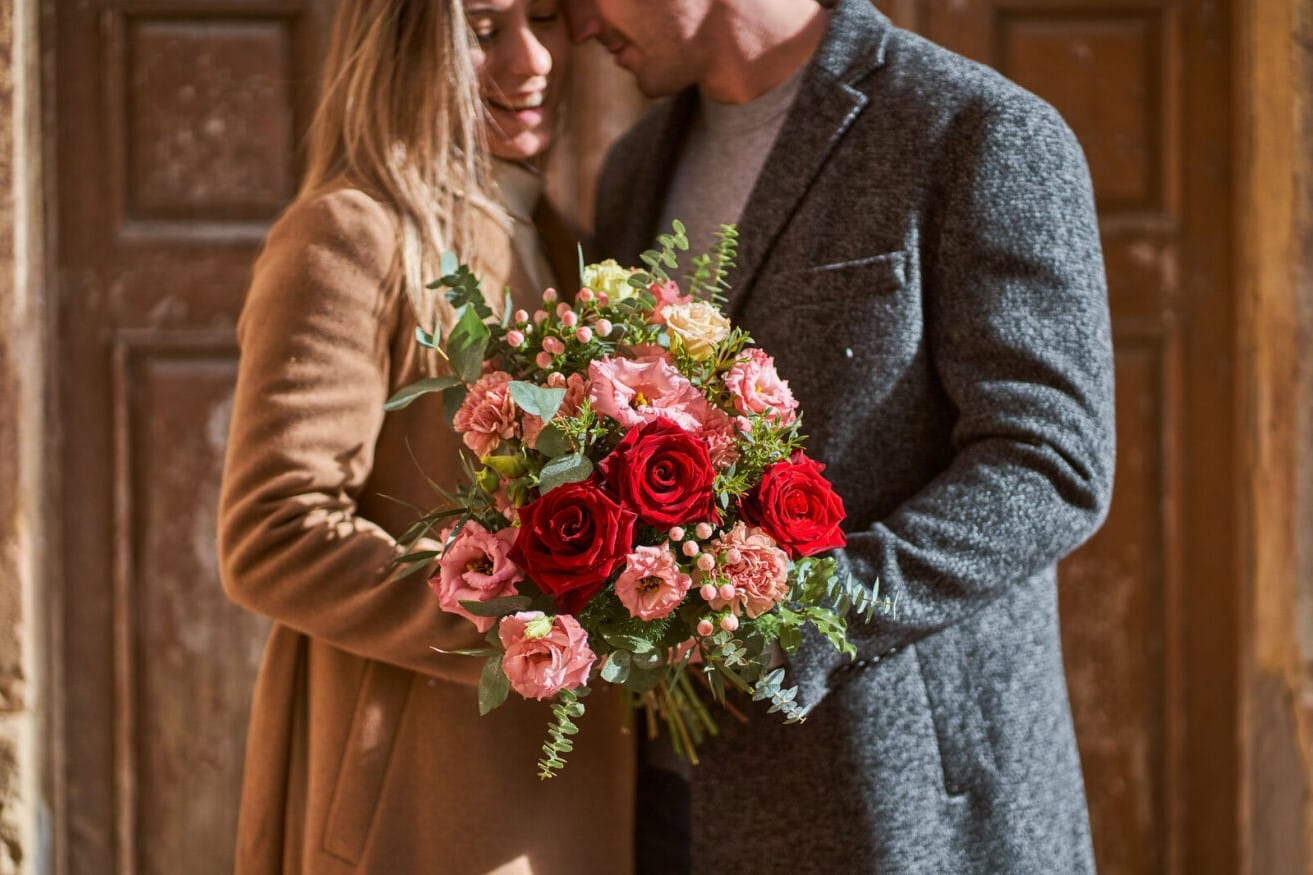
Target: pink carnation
point(761, 576)
point(576, 389)
point(487, 417)
point(757, 388)
point(475, 568)
point(666, 293)
point(544, 655)
point(651, 586)
point(633, 392)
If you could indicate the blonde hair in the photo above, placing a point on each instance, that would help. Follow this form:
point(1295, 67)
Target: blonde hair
point(399, 112)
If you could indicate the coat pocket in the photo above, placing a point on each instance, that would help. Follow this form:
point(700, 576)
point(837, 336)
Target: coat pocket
point(964, 748)
point(384, 691)
point(885, 272)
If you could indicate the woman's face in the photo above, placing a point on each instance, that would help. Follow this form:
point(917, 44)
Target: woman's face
point(521, 55)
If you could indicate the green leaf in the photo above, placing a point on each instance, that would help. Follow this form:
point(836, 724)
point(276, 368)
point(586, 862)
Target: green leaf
point(493, 685)
point(407, 394)
point(616, 668)
point(567, 469)
point(580, 248)
point(538, 401)
point(466, 345)
point(496, 607)
point(447, 263)
point(552, 442)
point(452, 399)
point(630, 643)
point(424, 338)
point(642, 681)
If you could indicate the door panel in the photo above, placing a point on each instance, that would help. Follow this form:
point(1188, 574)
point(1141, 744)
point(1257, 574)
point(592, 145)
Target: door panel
point(177, 126)
point(1148, 606)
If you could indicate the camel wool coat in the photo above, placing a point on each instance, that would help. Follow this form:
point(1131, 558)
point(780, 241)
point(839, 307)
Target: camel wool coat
point(366, 752)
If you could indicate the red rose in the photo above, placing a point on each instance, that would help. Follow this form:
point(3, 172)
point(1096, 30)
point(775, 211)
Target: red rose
point(797, 507)
point(663, 474)
point(570, 540)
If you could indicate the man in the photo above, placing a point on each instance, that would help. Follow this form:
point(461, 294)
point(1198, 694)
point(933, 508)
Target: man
point(919, 252)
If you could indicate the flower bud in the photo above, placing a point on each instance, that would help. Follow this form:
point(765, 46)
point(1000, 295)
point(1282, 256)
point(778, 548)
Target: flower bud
point(585, 295)
point(703, 530)
point(584, 334)
point(729, 623)
point(727, 591)
point(515, 339)
point(549, 296)
point(521, 316)
point(553, 345)
point(705, 628)
point(543, 360)
point(562, 308)
point(604, 327)
point(706, 561)
point(539, 316)
point(708, 592)
point(676, 533)
point(603, 299)
point(569, 319)
point(691, 548)
point(733, 556)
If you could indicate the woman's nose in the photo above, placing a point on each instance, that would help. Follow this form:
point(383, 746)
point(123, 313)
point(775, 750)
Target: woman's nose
point(531, 57)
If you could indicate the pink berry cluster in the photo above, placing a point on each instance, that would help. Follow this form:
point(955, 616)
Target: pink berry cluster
point(557, 325)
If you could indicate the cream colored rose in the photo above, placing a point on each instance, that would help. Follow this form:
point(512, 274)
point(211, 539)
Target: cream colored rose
point(610, 279)
point(699, 325)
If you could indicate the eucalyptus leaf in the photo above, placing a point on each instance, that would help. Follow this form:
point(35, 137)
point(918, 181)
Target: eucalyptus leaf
point(407, 394)
point(447, 263)
point(466, 345)
point(616, 668)
point(552, 442)
point(424, 338)
point(452, 399)
point(493, 685)
point(535, 400)
point(642, 681)
point(496, 607)
point(508, 307)
point(631, 643)
point(567, 469)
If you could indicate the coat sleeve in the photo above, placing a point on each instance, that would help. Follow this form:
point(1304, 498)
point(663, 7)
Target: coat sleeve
point(313, 376)
point(1018, 329)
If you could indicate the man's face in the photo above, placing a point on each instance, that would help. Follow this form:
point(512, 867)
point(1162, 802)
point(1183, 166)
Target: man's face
point(662, 42)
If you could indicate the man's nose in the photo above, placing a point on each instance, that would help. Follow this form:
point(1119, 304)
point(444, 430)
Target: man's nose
point(583, 20)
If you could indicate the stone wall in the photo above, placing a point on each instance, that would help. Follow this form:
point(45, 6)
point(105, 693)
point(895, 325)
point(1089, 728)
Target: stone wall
point(22, 436)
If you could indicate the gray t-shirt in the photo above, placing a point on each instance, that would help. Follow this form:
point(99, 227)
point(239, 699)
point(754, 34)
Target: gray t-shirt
point(727, 145)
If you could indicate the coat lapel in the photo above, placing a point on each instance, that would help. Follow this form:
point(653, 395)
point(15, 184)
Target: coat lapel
point(825, 108)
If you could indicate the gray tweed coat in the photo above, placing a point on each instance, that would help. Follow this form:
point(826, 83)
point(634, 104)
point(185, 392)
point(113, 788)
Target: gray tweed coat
point(921, 256)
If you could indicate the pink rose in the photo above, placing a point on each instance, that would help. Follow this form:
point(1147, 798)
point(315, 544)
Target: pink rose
point(633, 392)
point(757, 388)
point(544, 655)
point(666, 294)
point(476, 568)
point(487, 417)
point(576, 389)
point(651, 586)
point(761, 576)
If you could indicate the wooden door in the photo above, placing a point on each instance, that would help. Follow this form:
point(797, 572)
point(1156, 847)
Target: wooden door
point(176, 129)
point(1150, 607)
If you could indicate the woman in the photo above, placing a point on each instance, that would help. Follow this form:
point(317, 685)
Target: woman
point(366, 752)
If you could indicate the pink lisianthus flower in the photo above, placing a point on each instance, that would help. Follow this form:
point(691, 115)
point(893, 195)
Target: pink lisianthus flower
point(722, 445)
point(633, 392)
point(651, 586)
point(756, 387)
point(544, 655)
point(576, 389)
point(760, 577)
point(666, 294)
point(487, 416)
point(476, 568)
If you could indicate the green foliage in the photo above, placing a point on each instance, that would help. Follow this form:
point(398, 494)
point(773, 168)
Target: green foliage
point(661, 258)
point(497, 607)
point(566, 469)
point(467, 343)
point(709, 277)
point(493, 685)
point(406, 394)
point(560, 734)
point(783, 700)
point(536, 400)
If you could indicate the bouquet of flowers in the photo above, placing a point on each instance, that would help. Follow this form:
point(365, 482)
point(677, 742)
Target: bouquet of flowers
point(639, 509)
